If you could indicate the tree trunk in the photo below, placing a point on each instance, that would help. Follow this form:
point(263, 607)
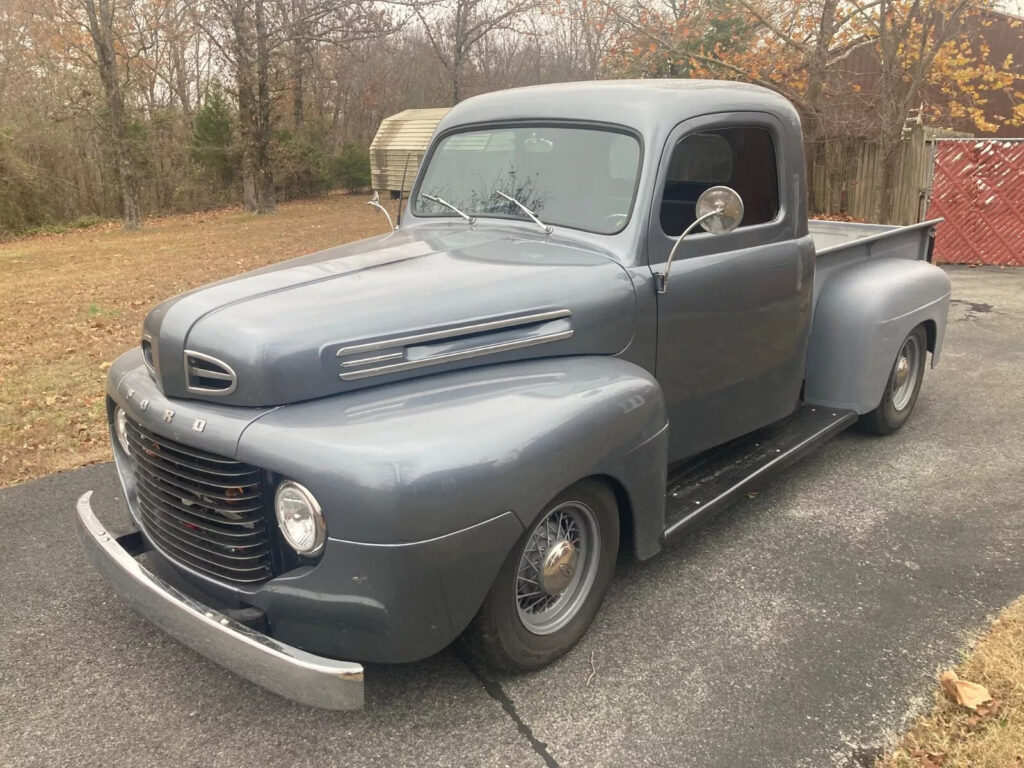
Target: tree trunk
point(816, 72)
point(101, 23)
point(251, 78)
point(248, 187)
point(462, 9)
point(457, 65)
point(247, 133)
point(265, 197)
point(298, 98)
point(299, 55)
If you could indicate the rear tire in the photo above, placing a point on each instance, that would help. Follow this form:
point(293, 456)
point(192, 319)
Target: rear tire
point(552, 583)
point(901, 389)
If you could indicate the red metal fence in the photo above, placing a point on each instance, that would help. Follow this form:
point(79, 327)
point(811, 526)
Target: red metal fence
point(978, 188)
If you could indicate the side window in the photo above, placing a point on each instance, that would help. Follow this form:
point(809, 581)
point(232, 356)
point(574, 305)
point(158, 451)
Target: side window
point(742, 158)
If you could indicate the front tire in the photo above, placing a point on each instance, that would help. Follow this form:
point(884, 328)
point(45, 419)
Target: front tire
point(552, 583)
point(902, 388)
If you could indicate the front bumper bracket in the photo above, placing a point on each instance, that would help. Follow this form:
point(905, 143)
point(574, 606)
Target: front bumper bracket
point(290, 672)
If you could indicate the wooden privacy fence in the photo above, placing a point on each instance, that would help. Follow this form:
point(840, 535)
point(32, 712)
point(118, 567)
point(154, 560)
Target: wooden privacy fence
point(844, 170)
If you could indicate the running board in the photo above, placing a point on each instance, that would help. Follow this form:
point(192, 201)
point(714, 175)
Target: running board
point(717, 479)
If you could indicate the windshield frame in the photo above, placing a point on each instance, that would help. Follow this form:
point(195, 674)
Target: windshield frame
point(625, 130)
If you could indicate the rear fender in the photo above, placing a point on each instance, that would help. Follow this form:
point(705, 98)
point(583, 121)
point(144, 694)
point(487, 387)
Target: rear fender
point(861, 318)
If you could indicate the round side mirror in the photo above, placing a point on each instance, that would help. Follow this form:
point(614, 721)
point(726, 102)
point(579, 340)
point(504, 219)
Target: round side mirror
point(726, 209)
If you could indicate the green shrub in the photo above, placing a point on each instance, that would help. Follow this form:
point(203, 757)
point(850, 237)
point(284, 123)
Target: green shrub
point(301, 165)
point(351, 168)
point(84, 222)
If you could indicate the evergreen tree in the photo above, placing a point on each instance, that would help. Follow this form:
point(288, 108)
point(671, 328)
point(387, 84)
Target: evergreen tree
point(212, 142)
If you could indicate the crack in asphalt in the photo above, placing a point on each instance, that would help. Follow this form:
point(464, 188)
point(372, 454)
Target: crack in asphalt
point(496, 692)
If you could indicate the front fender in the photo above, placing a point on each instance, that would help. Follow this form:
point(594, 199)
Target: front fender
point(402, 467)
point(420, 459)
point(861, 318)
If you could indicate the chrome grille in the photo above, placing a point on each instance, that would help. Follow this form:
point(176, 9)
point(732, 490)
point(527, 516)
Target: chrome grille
point(207, 375)
point(201, 509)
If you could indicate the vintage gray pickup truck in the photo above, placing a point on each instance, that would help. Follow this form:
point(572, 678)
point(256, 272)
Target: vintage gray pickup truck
point(603, 316)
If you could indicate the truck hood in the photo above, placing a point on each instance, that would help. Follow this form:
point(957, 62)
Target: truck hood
point(410, 303)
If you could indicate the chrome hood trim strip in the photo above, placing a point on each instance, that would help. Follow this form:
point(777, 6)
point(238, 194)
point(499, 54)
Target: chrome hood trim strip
point(486, 349)
point(398, 349)
point(462, 330)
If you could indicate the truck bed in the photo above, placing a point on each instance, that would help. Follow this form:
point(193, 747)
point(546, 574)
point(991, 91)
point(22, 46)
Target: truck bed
point(841, 244)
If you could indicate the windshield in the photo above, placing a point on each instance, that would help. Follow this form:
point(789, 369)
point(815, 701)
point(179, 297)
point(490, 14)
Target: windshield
point(584, 178)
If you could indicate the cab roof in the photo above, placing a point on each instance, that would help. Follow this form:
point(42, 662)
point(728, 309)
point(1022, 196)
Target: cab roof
point(644, 105)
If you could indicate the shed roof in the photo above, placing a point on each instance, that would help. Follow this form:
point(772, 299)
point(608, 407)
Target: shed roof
point(408, 129)
point(398, 146)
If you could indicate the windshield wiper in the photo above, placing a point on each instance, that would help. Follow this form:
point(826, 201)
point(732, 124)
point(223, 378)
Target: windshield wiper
point(527, 211)
point(448, 205)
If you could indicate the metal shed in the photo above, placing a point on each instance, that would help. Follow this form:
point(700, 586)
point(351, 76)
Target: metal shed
point(398, 147)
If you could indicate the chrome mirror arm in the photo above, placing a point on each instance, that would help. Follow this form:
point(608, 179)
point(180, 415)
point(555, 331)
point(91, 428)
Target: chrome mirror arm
point(661, 278)
point(375, 202)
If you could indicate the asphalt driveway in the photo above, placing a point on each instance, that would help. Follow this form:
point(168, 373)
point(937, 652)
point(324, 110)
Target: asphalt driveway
point(800, 629)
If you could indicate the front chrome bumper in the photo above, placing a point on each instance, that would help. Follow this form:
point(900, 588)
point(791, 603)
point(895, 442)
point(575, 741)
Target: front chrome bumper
point(287, 671)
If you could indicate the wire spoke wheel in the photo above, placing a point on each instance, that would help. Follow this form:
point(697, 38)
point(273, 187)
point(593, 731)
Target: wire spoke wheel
point(551, 582)
point(557, 568)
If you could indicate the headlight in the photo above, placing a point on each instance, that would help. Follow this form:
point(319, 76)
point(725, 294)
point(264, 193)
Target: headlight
point(121, 427)
point(299, 517)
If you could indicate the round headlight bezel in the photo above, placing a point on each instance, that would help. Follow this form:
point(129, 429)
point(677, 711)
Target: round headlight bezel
point(315, 514)
point(121, 429)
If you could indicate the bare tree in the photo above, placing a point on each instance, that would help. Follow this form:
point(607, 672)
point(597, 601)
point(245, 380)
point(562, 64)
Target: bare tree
point(910, 36)
point(100, 14)
point(455, 28)
point(97, 19)
point(241, 31)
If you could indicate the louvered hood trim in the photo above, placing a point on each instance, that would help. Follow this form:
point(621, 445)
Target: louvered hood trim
point(463, 342)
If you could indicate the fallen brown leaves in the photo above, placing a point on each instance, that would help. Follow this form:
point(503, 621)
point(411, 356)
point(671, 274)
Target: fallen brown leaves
point(978, 719)
point(964, 692)
point(71, 303)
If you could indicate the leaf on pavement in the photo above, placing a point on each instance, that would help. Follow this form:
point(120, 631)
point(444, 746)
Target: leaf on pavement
point(964, 692)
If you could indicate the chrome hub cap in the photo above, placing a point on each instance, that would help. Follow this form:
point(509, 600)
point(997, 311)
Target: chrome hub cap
point(557, 568)
point(904, 373)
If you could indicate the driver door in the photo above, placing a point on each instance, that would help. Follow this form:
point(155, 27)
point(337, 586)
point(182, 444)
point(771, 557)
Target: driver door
point(733, 321)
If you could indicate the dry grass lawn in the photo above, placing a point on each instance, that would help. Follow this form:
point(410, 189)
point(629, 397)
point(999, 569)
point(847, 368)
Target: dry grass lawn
point(71, 303)
point(954, 736)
